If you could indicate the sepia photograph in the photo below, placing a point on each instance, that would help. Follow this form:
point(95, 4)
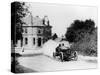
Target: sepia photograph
point(47, 37)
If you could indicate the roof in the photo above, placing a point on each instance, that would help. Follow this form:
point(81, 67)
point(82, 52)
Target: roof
point(33, 21)
point(37, 21)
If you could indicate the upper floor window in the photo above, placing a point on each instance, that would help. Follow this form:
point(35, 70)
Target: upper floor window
point(39, 31)
point(26, 30)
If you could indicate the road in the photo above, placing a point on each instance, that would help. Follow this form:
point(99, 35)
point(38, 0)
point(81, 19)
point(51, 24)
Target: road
point(43, 63)
point(47, 63)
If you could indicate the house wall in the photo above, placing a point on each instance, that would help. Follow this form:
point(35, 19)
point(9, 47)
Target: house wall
point(35, 33)
point(32, 35)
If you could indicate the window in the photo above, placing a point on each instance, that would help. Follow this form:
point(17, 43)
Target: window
point(26, 41)
point(26, 30)
point(39, 31)
point(33, 41)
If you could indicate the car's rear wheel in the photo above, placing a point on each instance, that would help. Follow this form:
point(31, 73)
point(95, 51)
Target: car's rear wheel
point(75, 56)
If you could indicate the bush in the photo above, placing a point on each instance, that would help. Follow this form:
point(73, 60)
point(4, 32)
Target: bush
point(88, 48)
point(15, 55)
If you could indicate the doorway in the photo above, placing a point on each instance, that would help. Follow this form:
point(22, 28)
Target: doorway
point(39, 42)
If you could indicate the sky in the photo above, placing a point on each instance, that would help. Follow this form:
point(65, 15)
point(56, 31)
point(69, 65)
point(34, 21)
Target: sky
point(61, 16)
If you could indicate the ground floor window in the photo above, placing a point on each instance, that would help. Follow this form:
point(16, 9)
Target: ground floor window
point(44, 40)
point(33, 41)
point(26, 41)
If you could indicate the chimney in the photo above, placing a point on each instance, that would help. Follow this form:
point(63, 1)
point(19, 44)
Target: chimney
point(45, 20)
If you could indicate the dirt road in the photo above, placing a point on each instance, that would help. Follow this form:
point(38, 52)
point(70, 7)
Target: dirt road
point(44, 63)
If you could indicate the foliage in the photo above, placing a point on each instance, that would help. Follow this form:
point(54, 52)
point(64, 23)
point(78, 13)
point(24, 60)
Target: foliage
point(54, 36)
point(78, 29)
point(18, 11)
point(83, 35)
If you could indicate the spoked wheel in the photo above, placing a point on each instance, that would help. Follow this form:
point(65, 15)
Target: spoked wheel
point(75, 59)
point(75, 56)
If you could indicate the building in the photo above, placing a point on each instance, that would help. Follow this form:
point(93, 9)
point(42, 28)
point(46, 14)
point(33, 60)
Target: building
point(36, 31)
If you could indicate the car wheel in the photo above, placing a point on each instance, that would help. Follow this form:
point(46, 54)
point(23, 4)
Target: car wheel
point(75, 56)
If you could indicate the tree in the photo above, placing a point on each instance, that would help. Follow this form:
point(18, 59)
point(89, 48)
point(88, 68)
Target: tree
point(78, 29)
point(54, 36)
point(83, 36)
point(18, 11)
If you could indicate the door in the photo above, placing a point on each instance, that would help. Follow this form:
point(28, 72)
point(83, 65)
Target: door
point(39, 42)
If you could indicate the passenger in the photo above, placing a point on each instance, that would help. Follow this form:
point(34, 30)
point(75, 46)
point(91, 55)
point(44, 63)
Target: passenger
point(58, 48)
point(62, 44)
